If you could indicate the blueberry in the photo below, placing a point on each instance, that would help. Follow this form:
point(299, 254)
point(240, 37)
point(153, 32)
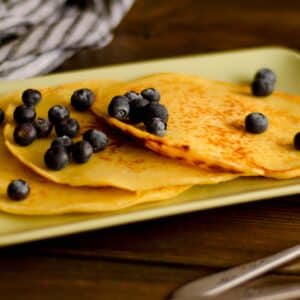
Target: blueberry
point(63, 141)
point(151, 94)
point(263, 83)
point(265, 74)
point(119, 108)
point(18, 189)
point(297, 141)
point(24, 114)
point(56, 158)
point(96, 138)
point(25, 134)
point(31, 97)
point(256, 122)
point(69, 127)
point(132, 95)
point(82, 99)
point(137, 110)
point(262, 88)
point(58, 113)
point(156, 110)
point(2, 116)
point(156, 126)
point(82, 151)
point(43, 127)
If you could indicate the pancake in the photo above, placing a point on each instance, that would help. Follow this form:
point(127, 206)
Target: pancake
point(123, 164)
point(48, 198)
point(206, 125)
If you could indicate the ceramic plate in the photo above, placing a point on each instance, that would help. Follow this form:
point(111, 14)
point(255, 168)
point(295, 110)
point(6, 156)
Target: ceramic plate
point(236, 66)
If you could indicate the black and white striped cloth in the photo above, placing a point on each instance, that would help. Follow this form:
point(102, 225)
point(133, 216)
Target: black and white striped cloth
point(36, 36)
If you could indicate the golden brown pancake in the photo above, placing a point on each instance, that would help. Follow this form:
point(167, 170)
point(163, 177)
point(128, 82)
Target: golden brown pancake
point(47, 198)
point(124, 164)
point(206, 125)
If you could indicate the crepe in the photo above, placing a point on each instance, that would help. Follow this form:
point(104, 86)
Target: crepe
point(124, 164)
point(48, 198)
point(206, 125)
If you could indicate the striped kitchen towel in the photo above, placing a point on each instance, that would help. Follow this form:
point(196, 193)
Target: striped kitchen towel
point(36, 36)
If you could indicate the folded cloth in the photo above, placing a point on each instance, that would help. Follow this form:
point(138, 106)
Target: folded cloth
point(36, 36)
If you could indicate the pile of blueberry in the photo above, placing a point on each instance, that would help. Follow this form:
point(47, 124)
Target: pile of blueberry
point(262, 85)
point(62, 148)
point(30, 128)
point(141, 107)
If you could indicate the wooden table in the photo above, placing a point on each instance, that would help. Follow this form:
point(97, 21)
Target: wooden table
point(148, 260)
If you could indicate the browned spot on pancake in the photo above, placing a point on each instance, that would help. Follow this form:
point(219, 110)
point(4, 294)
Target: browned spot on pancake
point(124, 130)
point(131, 165)
point(199, 163)
point(179, 158)
point(238, 126)
point(104, 157)
point(139, 161)
point(115, 145)
point(185, 147)
point(214, 168)
point(219, 169)
point(159, 143)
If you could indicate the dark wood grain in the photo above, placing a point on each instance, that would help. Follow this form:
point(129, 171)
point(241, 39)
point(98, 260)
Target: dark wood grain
point(155, 29)
point(73, 278)
point(148, 260)
point(215, 238)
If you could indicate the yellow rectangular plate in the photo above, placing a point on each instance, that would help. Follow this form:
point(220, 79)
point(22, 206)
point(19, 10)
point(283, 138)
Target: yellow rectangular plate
point(236, 66)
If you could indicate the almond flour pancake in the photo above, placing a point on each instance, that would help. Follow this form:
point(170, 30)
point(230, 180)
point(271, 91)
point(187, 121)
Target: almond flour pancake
point(123, 164)
point(47, 198)
point(206, 125)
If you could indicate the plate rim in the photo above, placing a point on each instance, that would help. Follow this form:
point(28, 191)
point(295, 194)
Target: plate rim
point(156, 212)
point(176, 209)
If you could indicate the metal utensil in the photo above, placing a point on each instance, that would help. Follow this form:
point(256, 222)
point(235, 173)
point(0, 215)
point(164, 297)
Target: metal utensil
point(277, 292)
point(214, 285)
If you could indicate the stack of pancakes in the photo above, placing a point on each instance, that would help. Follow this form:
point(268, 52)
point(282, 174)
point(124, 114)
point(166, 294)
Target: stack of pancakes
point(206, 143)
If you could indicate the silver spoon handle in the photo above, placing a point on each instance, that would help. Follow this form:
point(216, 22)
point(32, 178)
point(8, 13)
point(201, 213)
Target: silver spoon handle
point(277, 292)
point(223, 281)
point(280, 292)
